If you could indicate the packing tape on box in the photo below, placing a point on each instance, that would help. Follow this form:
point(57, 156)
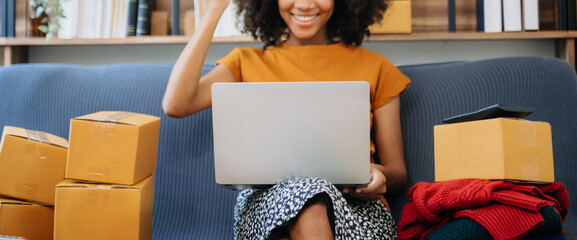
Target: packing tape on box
point(114, 117)
point(39, 143)
point(106, 124)
point(530, 171)
point(103, 129)
point(528, 137)
point(527, 133)
point(37, 136)
point(97, 196)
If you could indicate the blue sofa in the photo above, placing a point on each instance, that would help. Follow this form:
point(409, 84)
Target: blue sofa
point(187, 202)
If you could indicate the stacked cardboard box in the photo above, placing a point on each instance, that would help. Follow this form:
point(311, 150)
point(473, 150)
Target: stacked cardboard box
point(25, 219)
point(108, 193)
point(500, 148)
point(32, 163)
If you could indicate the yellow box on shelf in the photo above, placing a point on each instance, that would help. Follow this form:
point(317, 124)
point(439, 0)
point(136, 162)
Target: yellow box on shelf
point(397, 19)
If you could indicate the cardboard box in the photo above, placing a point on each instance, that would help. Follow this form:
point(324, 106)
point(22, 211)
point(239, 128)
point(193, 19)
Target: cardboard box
point(32, 163)
point(113, 147)
point(397, 19)
point(24, 219)
point(501, 148)
point(103, 211)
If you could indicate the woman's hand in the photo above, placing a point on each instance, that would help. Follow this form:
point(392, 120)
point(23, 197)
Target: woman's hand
point(187, 92)
point(374, 190)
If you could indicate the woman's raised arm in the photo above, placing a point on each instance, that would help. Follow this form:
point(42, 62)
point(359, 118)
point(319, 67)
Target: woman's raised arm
point(186, 92)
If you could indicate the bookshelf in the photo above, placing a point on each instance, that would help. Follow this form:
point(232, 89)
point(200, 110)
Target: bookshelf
point(16, 49)
point(429, 20)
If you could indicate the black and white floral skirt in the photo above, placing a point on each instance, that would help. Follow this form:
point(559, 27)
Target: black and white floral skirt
point(259, 213)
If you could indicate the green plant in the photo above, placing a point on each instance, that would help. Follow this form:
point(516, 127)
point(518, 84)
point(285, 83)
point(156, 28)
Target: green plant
point(51, 12)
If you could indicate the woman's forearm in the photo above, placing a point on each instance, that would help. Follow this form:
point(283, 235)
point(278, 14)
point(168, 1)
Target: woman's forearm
point(184, 79)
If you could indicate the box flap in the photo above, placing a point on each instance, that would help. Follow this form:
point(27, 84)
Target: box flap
point(36, 136)
point(4, 200)
point(72, 183)
point(128, 118)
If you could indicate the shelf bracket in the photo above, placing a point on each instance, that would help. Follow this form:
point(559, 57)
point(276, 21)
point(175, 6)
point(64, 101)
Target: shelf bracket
point(566, 50)
point(15, 55)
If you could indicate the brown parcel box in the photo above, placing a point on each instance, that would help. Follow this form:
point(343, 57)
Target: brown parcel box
point(103, 211)
point(501, 148)
point(32, 163)
point(24, 219)
point(397, 19)
point(113, 147)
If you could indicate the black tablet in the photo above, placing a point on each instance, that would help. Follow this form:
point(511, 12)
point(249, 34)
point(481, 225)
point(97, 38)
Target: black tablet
point(494, 111)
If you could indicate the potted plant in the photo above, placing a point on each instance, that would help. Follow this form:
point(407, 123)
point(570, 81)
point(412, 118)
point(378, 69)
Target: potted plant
point(45, 17)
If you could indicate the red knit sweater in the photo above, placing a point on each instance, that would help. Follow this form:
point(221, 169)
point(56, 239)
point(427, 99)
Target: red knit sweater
point(507, 210)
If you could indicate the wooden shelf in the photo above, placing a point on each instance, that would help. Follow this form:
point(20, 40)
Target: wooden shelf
point(448, 36)
point(377, 37)
point(16, 49)
point(113, 41)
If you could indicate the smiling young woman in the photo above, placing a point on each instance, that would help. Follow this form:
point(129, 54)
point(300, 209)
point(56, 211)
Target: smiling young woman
point(306, 20)
point(304, 40)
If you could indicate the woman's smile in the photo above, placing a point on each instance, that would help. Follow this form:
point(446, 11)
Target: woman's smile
point(306, 20)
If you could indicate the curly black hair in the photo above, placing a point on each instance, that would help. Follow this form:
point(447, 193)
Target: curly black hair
point(348, 24)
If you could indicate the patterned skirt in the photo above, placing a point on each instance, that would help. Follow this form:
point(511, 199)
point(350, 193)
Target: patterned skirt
point(258, 213)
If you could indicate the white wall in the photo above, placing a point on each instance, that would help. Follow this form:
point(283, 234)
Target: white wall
point(399, 52)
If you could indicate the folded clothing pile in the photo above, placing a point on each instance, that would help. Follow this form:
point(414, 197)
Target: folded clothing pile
point(498, 209)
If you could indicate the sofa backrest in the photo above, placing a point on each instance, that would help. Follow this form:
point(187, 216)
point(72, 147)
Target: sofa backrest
point(187, 202)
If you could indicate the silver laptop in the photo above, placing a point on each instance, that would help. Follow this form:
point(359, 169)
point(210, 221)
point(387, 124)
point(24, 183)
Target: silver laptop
point(265, 133)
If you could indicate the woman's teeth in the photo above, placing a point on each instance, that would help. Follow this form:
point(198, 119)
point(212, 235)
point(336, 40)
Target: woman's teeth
point(304, 18)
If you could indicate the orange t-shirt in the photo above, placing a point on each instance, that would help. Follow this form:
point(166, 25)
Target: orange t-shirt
point(335, 62)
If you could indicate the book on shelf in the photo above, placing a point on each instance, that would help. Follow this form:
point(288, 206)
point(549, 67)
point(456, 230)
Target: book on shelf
point(7, 19)
point(68, 24)
point(462, 16)
point(547, 15)
point(159, 23)
point(132, 10)
point(530, 15)
point(175, 10)
point(189, 23)
point(143, 17)
point(489, 16)
point(10, 19)
point(452, 22)
point(512, 20)
point(94, 19)
point(21, 21)
point(571, 15)
point(562, 15)
point(3, 18)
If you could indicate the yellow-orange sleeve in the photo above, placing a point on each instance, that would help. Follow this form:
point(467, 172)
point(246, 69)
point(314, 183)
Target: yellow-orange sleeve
point(392, 83)
point(232, 61)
